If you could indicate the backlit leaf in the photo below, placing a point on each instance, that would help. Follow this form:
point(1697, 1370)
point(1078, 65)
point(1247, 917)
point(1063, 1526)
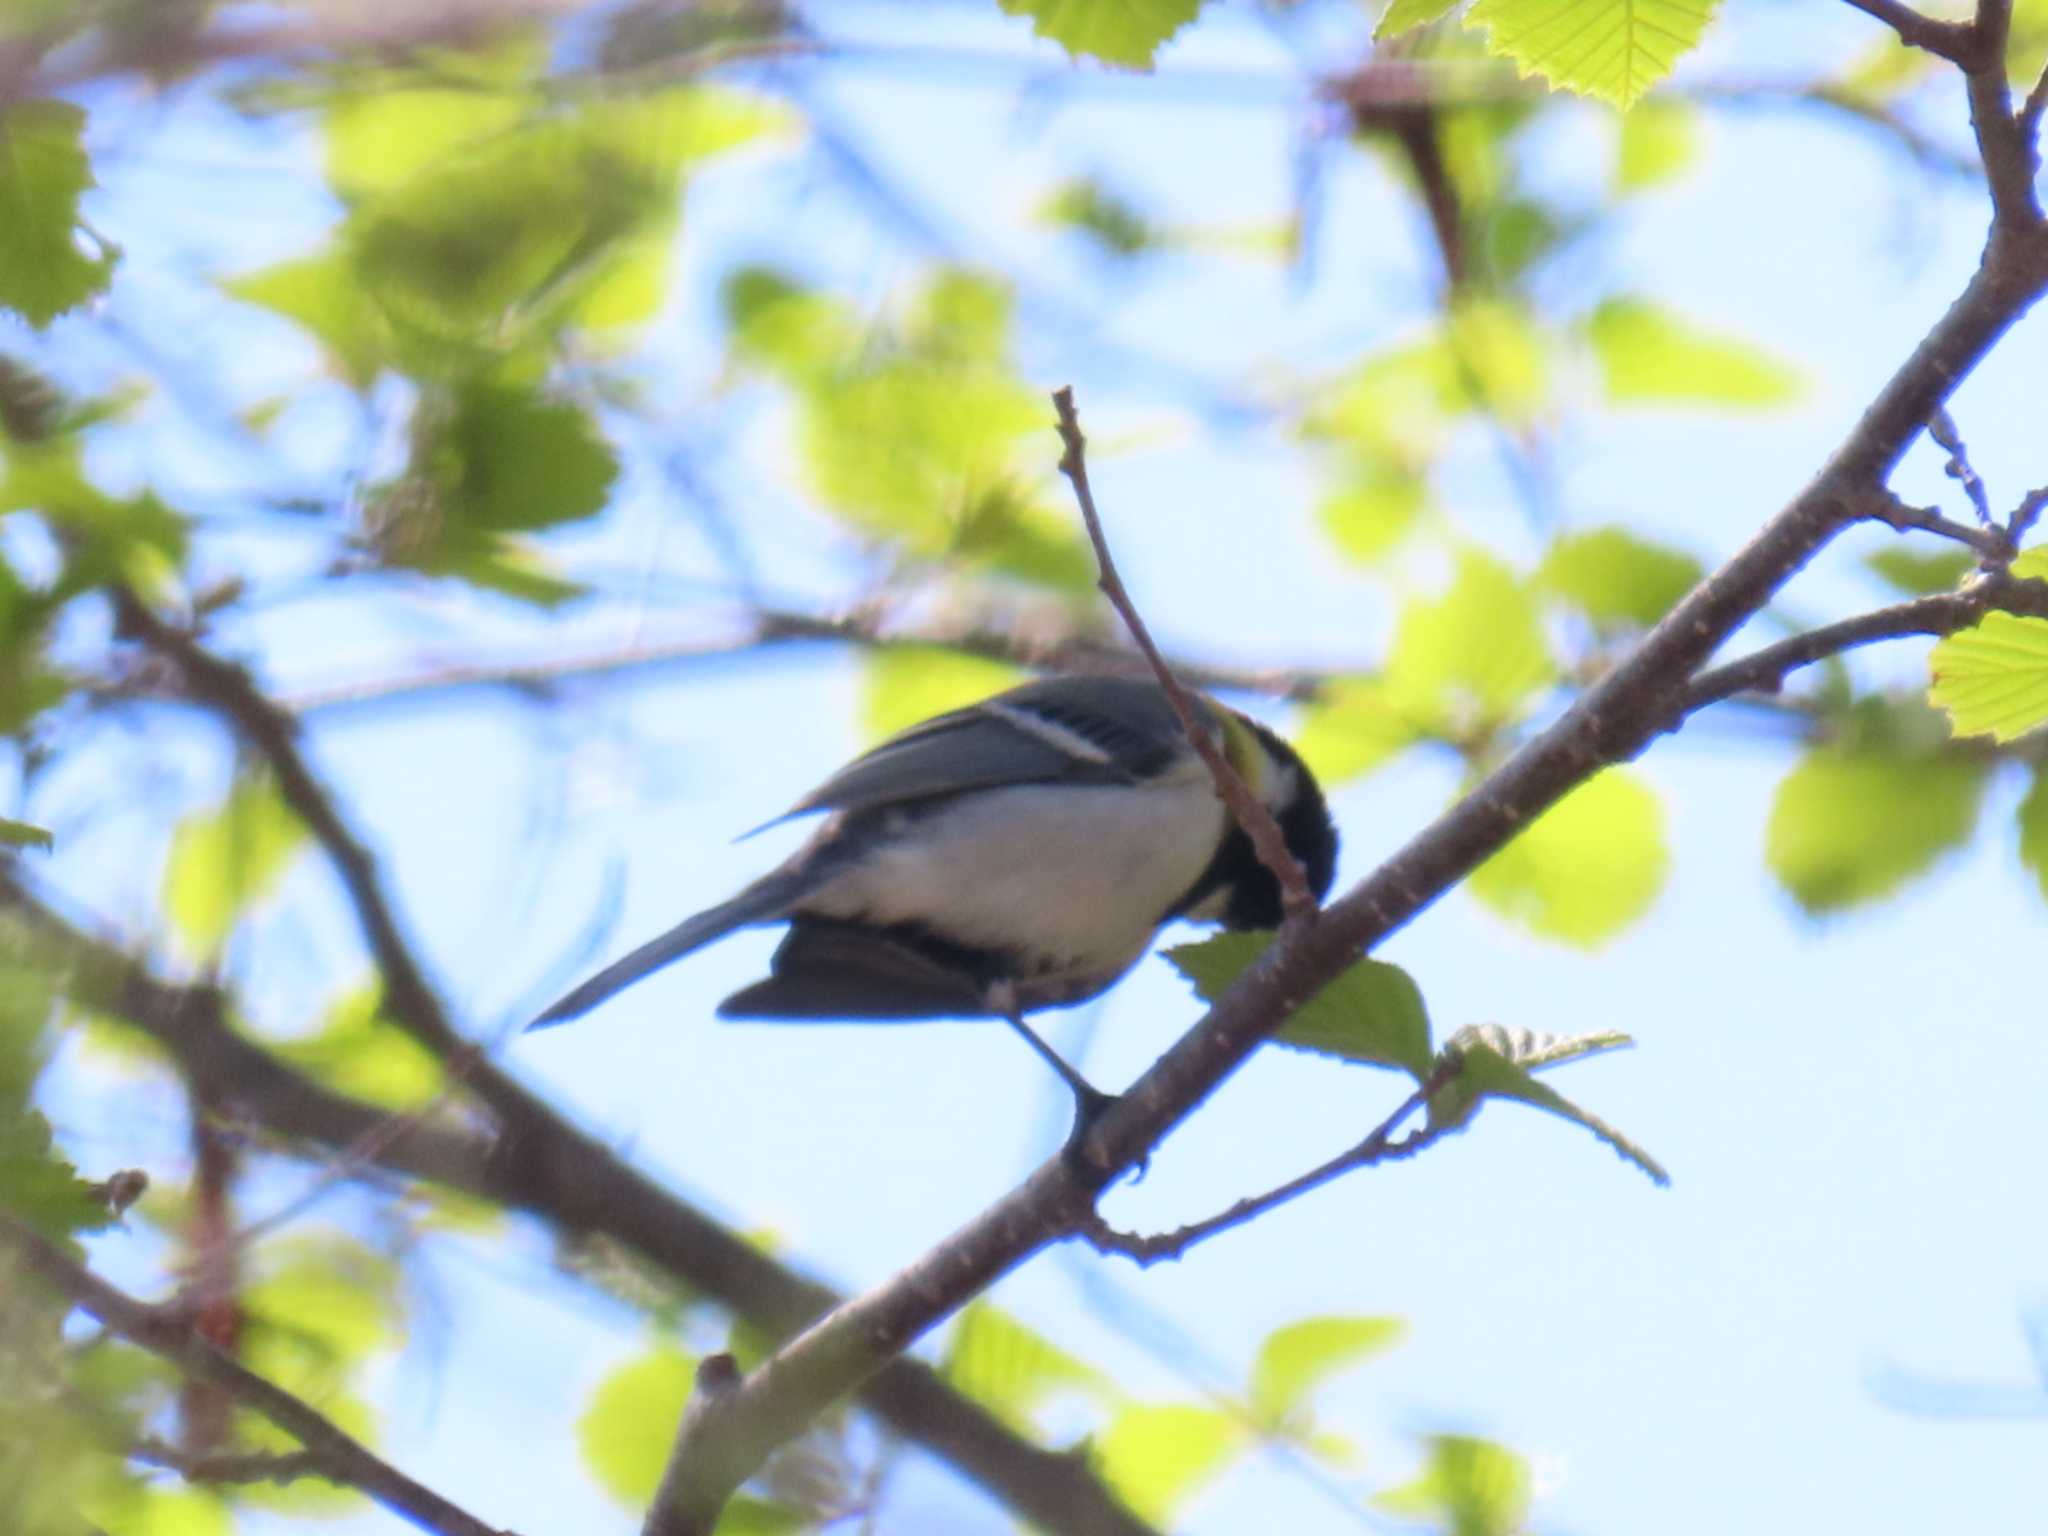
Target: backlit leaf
point(1155, 1455)
point(323, 294)
point(2033, 822)
point(227, 859)
point(1657, 140)
point(1298, 1357)
point(1010, 1369)
point(1586, 868)
point(902, 685)
point(1122, 32)
point(627, 1429)
point(1404, 15)
point(1371, 509)
point(44, 270)
point(1649, 356)
point(1373, 1013)
point(1614, 577)
point(1993, 678)
point(359, 1052)
point(20, 834)
point(1467, 662)
point(1468, 1487)
point(1918, 574)
point(1613, 49)
point(1353, 726)
point(1490, 1070)
point(1850, 825)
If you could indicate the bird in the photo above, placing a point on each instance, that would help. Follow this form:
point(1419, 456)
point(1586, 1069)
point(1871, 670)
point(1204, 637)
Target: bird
point(1017, 854)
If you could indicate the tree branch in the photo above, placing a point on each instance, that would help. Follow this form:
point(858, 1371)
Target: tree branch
point(340, 1458)
point(2009, 154)
point(1952, 40)
point(557, 1173)
point(1297, 901)
point(1612, 721)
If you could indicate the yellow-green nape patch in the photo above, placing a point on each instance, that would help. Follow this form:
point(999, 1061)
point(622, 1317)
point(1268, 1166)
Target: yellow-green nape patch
point(1241, 747)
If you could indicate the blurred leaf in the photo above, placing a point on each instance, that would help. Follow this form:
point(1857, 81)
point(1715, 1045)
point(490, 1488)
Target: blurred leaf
point(1086, 207)
point(1121, 32)
point(360, 1052)
point(39, 1185)
point(1993, 678)
point(1612, 49)
point(1372, 508)
point(1468, 1487)
point(380, 137)
point(1010, 1369)
point(1372, 1013)
point(1850, 825)
point(43, 169)
point(902, 685)
point(225, 860)
point(1351, 728)
point(1298, 1357)
point(1586, 868)
point(778, 324)
point(152, 1509)
point(1885, 69)
point(1490, 1070)
point(1404, 15)
point(323, 294)
point(1157, 1454)
point(2033, 823)
point(1656, 141)
point(1915, 574)
point(503, 565)
point(128, 538)
point(631, 1422)
point(322, 1304)
point(745, 1515)
point(519, 460)
point(1649, 356)
point(1615, 578)
point(2026, 43)
point(1466, 663)
point(19, 834)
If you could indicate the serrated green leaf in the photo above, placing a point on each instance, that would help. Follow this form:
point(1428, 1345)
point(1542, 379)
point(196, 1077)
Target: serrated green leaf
point(1532, 1049)
point(1993, 678)
point(626, 1431)
point(43, 169)
point(2033, 826)
point(1649, 356)
point(1298, 1357)
point(903, 685)
point(21, 834)
point(1372, 1013)
point(1353, 726)
point(1155, 1455)
point(1656, 141)
point(1615, 578)
point(1916, 574)
point(1405, 15)
point(1487, 1073)
point(1466, 663)
point(1127, 33)
point(1586, 868)
point(1010, 1369)
point(360, 1052)
point(1612, 49)
point(1468, 1487)
point(1371, 509)
point(1850, 825)
point(225, 860)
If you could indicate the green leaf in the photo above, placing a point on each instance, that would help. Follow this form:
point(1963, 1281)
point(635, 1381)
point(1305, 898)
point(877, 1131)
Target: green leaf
point(323, 294)
point(1466, 663)
point(1468, 1487)
point(631, 1422)
point(1372, 508)
point(1353, 726)
point(20, 834)
point(1657, 140)
point(1405, 15)
point(506, 566)
point(1918, 575)
point(1086, 207)
point(43, 169)
point(1299, 1357)
point(1851, 824)
point(360, 1052)
point(1615, 578)
point(1586, 868)
point(1612, 49)
point(1993, 678)
point(1492, 1068)
point(1372, 1013)
point(524, 460)
point(2033, 821)
point(1155, 1455)
point(745, 1515)
point(225, 860)
point(140, 1509)
point(1649, 356)
point(1008, 1368)
point(1122, 32)
point(903, 685)
point(378, 139)
point(322, 1304)
point(39, 1185)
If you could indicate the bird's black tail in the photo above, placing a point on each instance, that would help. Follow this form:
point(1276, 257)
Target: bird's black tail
point(764, 901)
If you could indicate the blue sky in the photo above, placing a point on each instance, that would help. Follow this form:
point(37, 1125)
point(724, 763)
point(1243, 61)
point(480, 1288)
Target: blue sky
point(1850, 1109)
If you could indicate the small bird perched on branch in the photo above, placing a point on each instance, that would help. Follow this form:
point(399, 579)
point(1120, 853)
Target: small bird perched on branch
point(1017, 854)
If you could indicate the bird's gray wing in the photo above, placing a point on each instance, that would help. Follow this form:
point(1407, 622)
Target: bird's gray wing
point(841, 971)
point(1068, 730)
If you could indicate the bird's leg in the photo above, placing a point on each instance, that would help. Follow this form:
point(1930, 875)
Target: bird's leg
point(1089, 1100)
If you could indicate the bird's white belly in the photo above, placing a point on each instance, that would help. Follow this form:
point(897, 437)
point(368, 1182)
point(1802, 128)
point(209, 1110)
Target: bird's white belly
point(1072, 877)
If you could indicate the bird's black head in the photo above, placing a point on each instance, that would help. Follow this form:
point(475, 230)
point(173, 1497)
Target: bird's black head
point(1251, 896)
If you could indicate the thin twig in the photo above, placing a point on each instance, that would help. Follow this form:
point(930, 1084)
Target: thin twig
point(1942, 428)
point(1989, 543)
point(2025, 515)
point(1379, 1147)
point(341, 1458)
point(1952, 40)
point(1297, 901)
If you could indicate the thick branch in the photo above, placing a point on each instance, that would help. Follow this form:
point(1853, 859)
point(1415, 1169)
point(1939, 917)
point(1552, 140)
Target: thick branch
point(562, 1176)
point(1952, 40)
point(340, 1457)
point(1613, 721)
point(2009, 154)
point(1250, 813)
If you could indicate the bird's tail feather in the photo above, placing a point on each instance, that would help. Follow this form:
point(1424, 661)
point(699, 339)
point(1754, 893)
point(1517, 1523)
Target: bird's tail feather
point(763, 901)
